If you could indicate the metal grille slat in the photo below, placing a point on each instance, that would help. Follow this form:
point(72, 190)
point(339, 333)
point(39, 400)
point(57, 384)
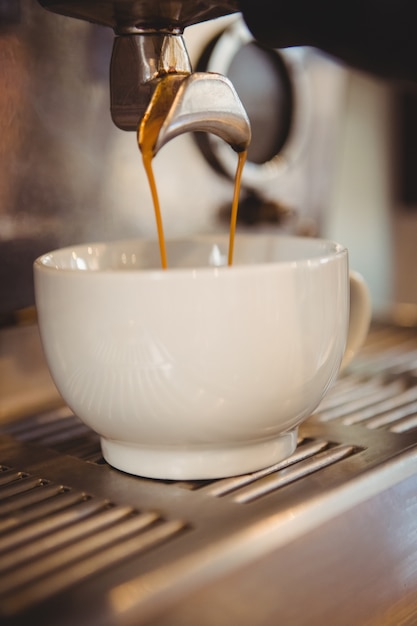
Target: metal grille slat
point(410, 395)
point(32, 422)
point(67, 435)
point(389, 417)
point(403, 369)
point(343, 394)
point(40, 431)
point(77, 430)
point(17, 487)
point(227, 485)
point(275, 481)
point(58, 539)
point(49, 524)
point(11, 476)
point(384, 392)
point(112, 556)
point(395, 361)
point(104, 535)
point(342, 385)
point(21, 501)
point(404, 425)
point(61, 500)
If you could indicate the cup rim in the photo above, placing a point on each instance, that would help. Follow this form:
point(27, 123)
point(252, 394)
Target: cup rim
point(43, 263)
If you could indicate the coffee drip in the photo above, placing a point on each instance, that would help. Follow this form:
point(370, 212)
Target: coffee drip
point(147, 136)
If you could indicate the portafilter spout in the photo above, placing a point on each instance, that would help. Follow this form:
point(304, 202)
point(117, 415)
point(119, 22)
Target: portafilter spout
point(139, 61)
point(149, 47)
point(205, 102)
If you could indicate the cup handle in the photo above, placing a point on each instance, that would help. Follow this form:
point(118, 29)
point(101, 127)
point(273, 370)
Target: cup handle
point(359, 317)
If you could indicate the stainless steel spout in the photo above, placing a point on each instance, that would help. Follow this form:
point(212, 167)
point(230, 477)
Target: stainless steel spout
point(204, 102)
point(147, 48)
point(138, 62)
point(207, 102)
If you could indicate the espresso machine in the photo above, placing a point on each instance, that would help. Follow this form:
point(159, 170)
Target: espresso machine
point(327, 536)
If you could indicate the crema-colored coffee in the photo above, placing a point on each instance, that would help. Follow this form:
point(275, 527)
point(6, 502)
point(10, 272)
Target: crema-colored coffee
point(148, 133)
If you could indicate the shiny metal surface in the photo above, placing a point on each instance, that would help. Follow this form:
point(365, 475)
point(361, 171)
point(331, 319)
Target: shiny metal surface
point(235, 55)
point(327, 536)
point(126, 15)
point(137, 63)
point(151, 45)
point(207, 103)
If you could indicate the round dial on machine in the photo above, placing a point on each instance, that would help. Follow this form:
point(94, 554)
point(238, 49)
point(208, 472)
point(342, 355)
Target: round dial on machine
point(272, 87)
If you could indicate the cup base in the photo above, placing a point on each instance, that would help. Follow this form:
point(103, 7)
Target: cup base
point(198, 463)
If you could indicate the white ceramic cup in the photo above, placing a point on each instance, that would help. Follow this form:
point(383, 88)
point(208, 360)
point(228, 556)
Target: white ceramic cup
point(201, 370)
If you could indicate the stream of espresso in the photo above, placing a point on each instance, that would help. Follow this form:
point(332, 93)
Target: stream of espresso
point(147, 136)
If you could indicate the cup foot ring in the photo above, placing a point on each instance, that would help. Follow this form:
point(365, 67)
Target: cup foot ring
point(198, 463)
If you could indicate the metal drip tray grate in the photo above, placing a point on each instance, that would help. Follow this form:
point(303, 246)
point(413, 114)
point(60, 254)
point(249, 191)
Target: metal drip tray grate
point(382, 391)
point(83, 543)
point(54, 536)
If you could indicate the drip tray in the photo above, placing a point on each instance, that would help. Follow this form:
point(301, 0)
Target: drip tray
point(326, 536)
